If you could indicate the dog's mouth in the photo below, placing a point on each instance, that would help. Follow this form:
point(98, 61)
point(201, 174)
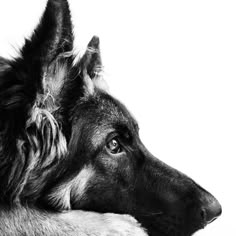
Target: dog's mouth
point(159, 224)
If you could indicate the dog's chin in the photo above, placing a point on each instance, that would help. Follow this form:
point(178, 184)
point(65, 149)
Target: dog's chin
point(168, 226)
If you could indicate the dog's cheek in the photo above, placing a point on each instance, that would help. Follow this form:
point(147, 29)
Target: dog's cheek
point(114, 164)
point(113, 181)
point(72, 193)
point(59, 198)
point(121, 170)
point(80, 184)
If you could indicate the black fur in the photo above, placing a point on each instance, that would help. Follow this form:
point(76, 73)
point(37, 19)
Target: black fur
point(55, 121)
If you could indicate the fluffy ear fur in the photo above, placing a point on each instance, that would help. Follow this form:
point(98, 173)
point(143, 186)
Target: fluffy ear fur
point(29, 89)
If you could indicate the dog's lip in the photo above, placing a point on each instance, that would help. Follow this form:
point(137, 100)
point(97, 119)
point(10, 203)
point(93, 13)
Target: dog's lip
point(200, 227)
point(189, 232)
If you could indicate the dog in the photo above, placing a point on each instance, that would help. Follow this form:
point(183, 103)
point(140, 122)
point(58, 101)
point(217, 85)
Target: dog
point(71, 160)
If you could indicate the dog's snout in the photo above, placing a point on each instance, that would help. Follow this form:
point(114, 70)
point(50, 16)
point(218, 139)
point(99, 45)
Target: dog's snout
point(211, 209)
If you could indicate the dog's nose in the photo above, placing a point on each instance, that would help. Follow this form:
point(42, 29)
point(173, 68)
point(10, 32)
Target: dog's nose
point(211, 209)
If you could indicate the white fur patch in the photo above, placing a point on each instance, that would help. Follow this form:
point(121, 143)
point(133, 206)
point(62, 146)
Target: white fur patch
point(100, 83)
point(92, 223)
point(88, 84)
point(71, 189)
point(80, 182)
point(53, 81)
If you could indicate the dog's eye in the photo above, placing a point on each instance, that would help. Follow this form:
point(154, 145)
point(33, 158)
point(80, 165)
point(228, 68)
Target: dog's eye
point(114, 146)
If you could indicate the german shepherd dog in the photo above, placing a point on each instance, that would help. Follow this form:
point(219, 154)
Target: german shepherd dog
point(69, 149)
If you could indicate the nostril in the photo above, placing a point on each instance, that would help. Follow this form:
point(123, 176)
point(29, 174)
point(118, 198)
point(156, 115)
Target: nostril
point(203, 214)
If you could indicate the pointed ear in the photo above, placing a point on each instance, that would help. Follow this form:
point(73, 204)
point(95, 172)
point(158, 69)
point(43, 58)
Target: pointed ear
point(49, 50)
point(91, 60)
point(40, 69)
point(40, 58)
point(53, 35)
point(82, 75)
point(81, 81)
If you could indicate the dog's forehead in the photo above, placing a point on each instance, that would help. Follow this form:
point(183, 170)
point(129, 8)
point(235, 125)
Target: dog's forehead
point(115, 111)
point(103, 110)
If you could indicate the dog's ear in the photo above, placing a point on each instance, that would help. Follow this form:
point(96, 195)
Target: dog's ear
point(49, 51)
point(29, 87)
point(91, 62)
point(42, 63)
point(52, 36)
point(86, 76)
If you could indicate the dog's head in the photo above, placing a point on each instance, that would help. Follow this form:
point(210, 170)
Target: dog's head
point(74, 146)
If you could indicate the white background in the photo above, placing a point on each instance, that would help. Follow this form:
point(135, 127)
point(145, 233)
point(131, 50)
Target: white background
point(173, 63)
